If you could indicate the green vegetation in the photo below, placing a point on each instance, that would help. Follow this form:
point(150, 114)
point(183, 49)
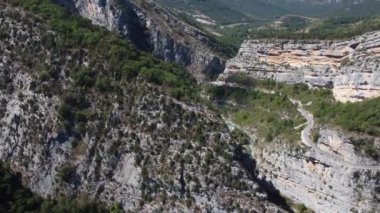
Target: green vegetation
point(264, 105)
point(288, 27)
point(66, 173)
point(14, 197)
point(227, 11)
point(367, 146)
point(301, 208)
point(101, 70)
point(74, 109)
point(232, 37)
point(272, 115)
point(235, 20)
point(315, 136)
point(362, 117)
point(216, 10)
point(124, 63)
point(241, 79)
point(226, 46)
point(330, 28)
point(294, 23)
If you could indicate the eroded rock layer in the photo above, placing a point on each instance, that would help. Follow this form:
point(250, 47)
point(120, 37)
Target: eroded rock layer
point(351, 68)
point(321, 187)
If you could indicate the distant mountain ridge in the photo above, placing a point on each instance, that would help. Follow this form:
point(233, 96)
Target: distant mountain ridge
point(275, 8)
point(327, 7)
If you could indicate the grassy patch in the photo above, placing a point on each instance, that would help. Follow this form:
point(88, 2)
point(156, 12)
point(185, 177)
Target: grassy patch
point(360, 117)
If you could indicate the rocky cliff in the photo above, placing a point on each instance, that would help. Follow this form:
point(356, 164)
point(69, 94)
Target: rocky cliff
point(124, 141)
point(151, 27)
point(350, 68)
point(326, 175)
point(322, 185)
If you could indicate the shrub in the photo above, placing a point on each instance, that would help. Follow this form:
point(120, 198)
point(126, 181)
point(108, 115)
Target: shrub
point(66, 173)
point(43, 75)
point(103, 84)
point(301, 208)
point(64, 111)
point(241, 79)
point(84, 77)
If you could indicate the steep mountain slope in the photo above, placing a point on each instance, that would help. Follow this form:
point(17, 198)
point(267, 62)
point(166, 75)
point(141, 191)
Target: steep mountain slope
point(153, 28)
point(83, 117)
point(14, 197)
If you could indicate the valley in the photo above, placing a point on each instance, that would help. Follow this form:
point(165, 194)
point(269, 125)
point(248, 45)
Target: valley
point(234, 21)
point(189, 106)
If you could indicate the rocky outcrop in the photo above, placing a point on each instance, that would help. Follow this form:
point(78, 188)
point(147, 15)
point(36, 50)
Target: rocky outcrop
point(341, 145)
point(151, 27)
point(350, 68)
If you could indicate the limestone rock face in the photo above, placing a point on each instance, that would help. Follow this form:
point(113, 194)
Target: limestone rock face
point(151, 27)
point(321, 184)
point(350, 68)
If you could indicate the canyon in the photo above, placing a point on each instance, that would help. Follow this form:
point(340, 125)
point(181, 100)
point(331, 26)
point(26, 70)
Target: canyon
point(149, 151)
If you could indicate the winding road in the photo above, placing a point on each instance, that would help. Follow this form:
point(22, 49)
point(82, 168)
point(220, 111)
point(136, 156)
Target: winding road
point(315, 152)
point(319, 154)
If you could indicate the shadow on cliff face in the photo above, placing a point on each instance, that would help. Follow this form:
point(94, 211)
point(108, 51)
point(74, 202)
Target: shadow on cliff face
point(214, 68)
point(128, 22)
point(136, 31)
point(249, 164)
point(63, 137)
point(69, 4)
